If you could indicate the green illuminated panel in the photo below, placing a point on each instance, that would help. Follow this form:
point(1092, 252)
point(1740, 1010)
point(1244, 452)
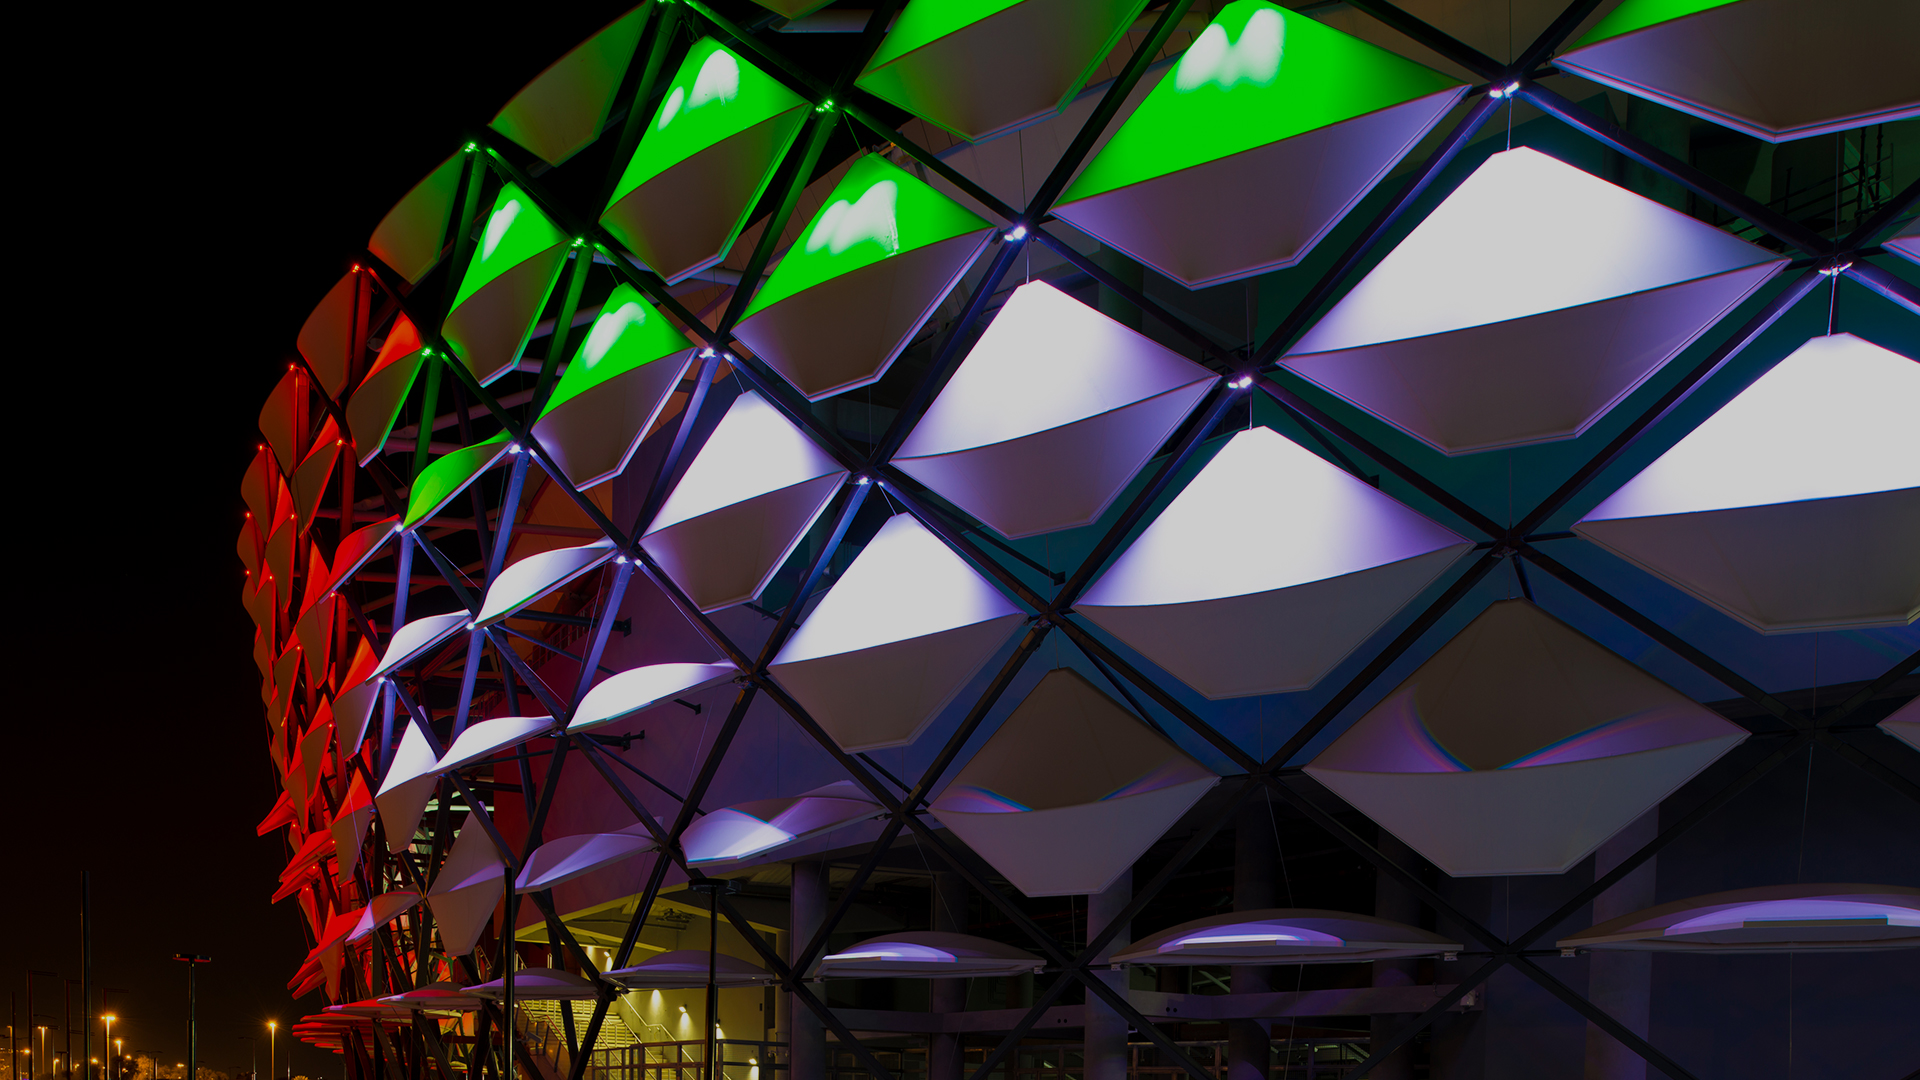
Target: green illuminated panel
point(1257, 74)
point(714, 95)
point(927, 21)
point(1640, 14)
point(516, 231)
point(449, 475)
point(628, 334)
point(878, 211)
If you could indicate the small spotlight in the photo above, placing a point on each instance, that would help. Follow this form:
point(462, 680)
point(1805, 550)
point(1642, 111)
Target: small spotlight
point(1242, 382)
point(1836, 269)
point(1015, 234)
point(706, 354)
point(863, 481)
point(1508, 90)
point(619, 560)
point(513, 448)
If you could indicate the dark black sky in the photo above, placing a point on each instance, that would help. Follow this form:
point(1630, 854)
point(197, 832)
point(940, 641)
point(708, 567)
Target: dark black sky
point(191, 182)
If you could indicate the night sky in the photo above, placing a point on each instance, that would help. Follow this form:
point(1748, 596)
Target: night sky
point(192, 184)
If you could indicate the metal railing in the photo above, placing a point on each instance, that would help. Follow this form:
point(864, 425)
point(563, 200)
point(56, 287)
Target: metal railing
point(740, 1059)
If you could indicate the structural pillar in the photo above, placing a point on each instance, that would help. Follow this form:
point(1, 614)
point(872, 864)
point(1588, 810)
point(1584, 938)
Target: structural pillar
point(1621, 982)
point(1256, 862)
point(1392, 900)
point(1105, 1049)
point(807, 1050)
point(946, 1057)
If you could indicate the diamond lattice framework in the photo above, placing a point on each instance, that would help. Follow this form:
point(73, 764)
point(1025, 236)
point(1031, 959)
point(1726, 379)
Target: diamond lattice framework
point(717, 481)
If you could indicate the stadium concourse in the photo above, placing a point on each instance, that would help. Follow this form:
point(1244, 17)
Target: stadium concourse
point(1117, 539)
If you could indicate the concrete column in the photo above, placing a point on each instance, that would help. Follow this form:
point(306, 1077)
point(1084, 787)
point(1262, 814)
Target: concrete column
point(946, 1059)
point(807, 1055)
point(1106, 1031)
point(1392, 900)
point(1256, 864)
point(1621, 982)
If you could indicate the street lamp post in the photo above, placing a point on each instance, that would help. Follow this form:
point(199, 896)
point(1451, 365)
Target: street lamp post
point(106, 1045)
point(119, 1056)
point(273, 1027)
point(193, 961)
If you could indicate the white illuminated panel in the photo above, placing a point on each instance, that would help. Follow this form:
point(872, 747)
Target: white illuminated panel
point(489, 737)
point(737, 832)
point(1283, 936)
point(1045, 360)
point(687, 969)
point(1907, 244)
point(752, 451)
point(382, 910)
point(1519, 747)
point(1770, 918)
point(929, 954)
point(745, 502)
point(1050, 415)
point(1070, 791)
point(1904, 724)
point(1840, 416)
point(1797, 505)
point(470, 883)
point(907, 625)
point(1530, 302)
point(410, 781)
point(569, 857)
point(1478, 257)
point(415, 638)
point(538, 575)
point(905, 583)
point(1319, 560)
point(622, 695)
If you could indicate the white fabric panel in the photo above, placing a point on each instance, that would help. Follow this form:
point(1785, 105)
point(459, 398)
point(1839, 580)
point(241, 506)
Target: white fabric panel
point(1785, 567)
point(1526, 233)
point(620, 696)
point(1771, 918)
point(1070, 791)
point(1061, 477)
point(417, 637)
point(1536, 379)
point(538, 575)
point(438, 997)
point(489, 737)
point(411, 778)
point(1519, 747)
point(1904, 724)
point(928, 954)
point(1325, 559)
point(1907, 244)
point(686, 969)
point(1538, 820)
point(569, 857)
point(1284, 936)
point(727, 556)
point(1797, 505)
point(593, 435)
point(905, 583)
point(1260, 210)
point(1839, 416)
point(470, 883)
point(1071, 850)
point(752, 828)
point(539, 984)
point(1045, 360)
point(907, 625)
point(752, 451)
point(1775, 69)
point(382, 910)
point(1297, 517)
